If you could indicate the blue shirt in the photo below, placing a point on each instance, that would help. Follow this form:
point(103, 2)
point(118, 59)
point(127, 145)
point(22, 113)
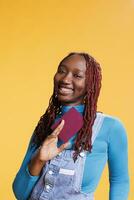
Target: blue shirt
point(109, 146)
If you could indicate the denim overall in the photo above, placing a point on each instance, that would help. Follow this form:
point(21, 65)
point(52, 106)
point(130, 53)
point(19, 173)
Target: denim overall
point(61, 178)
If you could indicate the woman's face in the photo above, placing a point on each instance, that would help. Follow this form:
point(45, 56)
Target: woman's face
point(69, 80)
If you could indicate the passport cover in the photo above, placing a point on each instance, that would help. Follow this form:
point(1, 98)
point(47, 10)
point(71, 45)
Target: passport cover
point(73, 123)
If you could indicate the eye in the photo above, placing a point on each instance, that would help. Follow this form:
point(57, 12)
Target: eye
point(61, 71)
point(77, 76)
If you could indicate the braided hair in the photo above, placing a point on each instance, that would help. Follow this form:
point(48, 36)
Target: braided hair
point(93, 86)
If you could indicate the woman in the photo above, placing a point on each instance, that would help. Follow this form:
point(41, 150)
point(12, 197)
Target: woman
point(55, 170)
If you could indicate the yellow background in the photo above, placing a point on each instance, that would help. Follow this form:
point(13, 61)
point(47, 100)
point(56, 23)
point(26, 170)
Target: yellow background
point(34, 37)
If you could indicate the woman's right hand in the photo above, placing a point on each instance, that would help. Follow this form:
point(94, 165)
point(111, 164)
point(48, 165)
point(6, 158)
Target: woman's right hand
point(46, 151)
point(49, 149)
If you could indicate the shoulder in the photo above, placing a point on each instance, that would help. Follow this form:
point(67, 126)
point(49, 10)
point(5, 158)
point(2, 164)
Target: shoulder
point(111, 120)
point(115, 127)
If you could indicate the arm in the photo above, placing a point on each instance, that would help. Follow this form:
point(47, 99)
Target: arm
point(118, 162)
point(33, 163)
point(24, 181)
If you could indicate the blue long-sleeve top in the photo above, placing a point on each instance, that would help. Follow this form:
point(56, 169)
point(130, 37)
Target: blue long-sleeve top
point(109, 146)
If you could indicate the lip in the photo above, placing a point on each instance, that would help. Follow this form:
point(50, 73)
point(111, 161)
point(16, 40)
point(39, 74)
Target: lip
point(64, 90)
point(64, 86)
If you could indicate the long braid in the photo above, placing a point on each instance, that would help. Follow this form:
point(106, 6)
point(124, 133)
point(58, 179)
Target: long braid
point(93, 84)
point(42, 129)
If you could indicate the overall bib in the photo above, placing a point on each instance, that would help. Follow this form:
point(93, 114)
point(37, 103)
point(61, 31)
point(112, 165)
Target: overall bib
point(61, 178)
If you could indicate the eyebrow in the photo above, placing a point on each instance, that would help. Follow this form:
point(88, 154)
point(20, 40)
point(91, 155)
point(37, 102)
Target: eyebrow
point(67, 66)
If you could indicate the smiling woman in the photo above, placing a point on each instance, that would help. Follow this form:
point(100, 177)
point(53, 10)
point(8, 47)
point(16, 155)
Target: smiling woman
point(56, 170)
point(69, 81)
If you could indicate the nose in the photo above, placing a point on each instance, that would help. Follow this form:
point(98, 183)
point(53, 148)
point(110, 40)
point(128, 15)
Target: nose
point(67, 79)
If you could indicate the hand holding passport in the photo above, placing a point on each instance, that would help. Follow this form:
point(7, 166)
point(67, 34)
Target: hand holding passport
point(73, 123)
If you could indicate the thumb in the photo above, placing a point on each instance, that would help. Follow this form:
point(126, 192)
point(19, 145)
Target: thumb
point(63, 146)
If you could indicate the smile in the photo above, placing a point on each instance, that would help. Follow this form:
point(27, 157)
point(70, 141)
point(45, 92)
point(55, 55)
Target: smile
point(65, 90)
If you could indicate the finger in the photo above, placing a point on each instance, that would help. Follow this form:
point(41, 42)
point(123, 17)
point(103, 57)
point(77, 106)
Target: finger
point(59, 128)
point(50, 140)
point(51, 136)
point(63, 146)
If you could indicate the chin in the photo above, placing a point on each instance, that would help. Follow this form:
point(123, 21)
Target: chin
point(64, 101)
point(68, 102)
point(64, 98)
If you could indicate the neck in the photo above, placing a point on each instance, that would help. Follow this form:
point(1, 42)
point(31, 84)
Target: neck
point(79, 108)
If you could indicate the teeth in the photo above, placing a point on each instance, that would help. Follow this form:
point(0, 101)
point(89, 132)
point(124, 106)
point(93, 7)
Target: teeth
point(66, 90)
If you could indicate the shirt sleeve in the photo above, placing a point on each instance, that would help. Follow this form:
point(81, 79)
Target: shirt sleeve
point(118, 162)
point(24, 181)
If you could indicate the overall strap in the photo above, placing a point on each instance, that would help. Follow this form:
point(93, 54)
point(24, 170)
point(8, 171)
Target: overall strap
point(97, 126)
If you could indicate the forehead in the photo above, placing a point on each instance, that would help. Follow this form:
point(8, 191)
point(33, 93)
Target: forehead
point(76, 62)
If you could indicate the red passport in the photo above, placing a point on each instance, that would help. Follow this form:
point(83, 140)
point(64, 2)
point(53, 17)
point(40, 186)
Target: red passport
point(73, 123)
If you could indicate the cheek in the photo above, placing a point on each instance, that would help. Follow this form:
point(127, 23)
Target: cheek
point(56, 79)
point(82, 87)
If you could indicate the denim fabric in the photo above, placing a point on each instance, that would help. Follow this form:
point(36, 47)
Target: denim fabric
point(62, 179)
